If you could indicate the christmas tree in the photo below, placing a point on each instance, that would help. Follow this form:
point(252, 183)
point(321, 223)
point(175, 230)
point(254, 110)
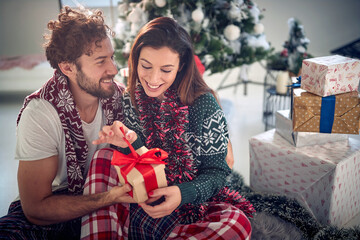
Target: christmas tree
point(294, 52)
point(225, 33)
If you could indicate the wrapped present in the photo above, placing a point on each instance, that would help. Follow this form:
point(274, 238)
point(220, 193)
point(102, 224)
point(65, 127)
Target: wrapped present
point(333, 114)
point(330, 75)
point(299, 139)
point(144, 173)
point(325, 179)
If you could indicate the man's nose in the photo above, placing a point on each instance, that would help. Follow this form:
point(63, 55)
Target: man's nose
point(112, 68)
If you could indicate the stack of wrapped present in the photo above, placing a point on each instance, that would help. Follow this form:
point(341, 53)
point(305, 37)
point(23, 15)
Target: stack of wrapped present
point(328, 101)
point(326, 107)
point(309, 156)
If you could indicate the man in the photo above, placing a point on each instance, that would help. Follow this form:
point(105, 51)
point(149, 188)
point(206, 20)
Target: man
point(56, 126)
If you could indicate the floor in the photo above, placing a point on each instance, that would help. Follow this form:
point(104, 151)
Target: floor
point(243, 112)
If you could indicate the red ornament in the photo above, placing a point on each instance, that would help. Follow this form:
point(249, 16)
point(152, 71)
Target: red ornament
point(199, 65)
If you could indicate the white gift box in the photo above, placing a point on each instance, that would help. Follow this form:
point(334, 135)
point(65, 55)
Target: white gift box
point(324, 178)
point(284, 127)
point(330, 75)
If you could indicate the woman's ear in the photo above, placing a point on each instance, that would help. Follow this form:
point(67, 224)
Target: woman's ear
point(67, 68)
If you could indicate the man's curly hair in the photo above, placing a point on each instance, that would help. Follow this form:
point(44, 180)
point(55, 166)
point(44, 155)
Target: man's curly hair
point(73, 35)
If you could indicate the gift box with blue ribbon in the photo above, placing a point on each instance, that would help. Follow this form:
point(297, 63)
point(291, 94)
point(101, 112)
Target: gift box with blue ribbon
point(338, 113)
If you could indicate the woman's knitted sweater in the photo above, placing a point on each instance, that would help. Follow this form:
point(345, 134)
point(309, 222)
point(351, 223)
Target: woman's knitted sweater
point(207, 137)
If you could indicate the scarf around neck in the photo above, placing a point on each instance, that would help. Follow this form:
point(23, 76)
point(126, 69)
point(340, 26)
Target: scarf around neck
point(56, 91)
point(164, 124)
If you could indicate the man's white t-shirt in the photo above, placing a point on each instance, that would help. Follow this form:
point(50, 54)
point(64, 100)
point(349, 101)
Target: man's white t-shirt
point(40, 135)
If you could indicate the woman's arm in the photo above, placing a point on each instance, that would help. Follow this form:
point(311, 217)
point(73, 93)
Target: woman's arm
point(212, 130)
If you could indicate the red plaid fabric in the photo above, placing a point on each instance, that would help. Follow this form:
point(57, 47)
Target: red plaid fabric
point(222, 221)
point(110, 222)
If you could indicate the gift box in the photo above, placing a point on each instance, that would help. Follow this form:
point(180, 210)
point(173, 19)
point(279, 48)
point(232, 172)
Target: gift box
point(299, 139)
point(325, 179)
point(140, 173)
point(144, 173)
point(333, 114)
point(330, 75)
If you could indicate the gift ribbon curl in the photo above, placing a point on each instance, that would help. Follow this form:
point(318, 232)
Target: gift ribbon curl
point(141, 163)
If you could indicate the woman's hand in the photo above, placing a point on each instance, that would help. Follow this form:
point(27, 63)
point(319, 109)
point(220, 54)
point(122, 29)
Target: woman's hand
point(172, 196)
point(113, 135)
point(230, 156)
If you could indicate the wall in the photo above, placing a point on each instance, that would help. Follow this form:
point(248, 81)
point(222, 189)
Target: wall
point(22, 24)
point(329, 24)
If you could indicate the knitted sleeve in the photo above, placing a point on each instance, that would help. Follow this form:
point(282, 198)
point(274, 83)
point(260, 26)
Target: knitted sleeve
point(211, 138)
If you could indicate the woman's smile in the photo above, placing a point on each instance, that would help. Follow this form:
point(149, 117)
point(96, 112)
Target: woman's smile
point(153, 86)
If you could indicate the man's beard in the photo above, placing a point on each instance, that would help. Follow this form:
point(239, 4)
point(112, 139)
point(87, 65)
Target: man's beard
point(87, 84)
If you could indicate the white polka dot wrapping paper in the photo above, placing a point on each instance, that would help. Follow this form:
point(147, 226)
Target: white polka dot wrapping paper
point(323, 178)
point(341, 116)
point(330, 75)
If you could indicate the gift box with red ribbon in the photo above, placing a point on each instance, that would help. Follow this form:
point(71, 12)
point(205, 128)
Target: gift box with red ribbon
point(144, 173)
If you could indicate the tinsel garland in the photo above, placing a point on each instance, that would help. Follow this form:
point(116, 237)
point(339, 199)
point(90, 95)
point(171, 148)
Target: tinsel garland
point(164, 124)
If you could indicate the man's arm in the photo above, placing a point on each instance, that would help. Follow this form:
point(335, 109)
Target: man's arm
point(41, 207)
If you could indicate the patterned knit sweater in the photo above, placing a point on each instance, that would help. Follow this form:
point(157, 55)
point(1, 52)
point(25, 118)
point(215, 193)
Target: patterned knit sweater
point(207, 137)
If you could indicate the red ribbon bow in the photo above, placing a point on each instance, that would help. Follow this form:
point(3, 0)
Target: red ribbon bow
point(141, 163)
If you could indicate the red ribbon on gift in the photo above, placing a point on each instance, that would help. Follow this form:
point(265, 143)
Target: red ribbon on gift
point(141, 163)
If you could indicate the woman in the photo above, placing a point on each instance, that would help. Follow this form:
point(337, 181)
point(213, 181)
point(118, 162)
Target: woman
point(169, 106)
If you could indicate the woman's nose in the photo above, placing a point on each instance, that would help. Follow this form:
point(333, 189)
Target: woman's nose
point(155, 76)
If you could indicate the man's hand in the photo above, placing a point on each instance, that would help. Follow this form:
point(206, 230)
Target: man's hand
point(119, 194)
point(172, 196)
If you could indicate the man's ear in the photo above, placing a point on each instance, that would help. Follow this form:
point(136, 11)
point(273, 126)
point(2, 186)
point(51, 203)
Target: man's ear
point(67, 68)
